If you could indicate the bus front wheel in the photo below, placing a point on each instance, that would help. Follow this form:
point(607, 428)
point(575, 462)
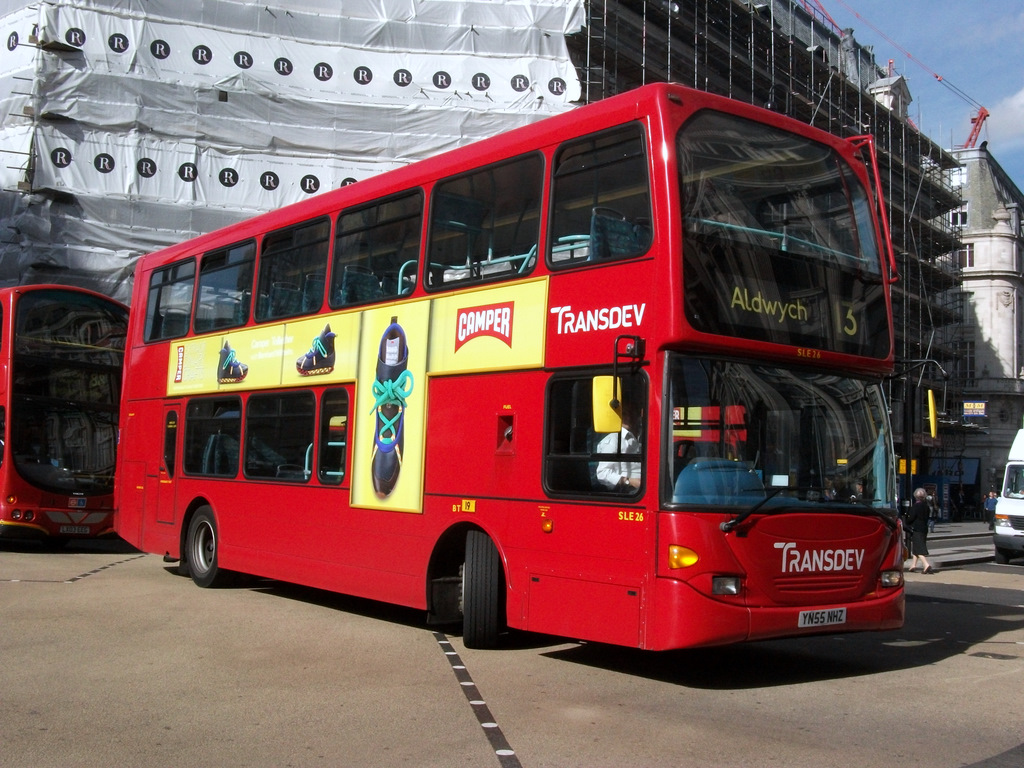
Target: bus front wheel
point(201, 548)
point(482, 592)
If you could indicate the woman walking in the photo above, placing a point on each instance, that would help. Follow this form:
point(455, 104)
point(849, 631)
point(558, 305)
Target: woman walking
point(917, 521)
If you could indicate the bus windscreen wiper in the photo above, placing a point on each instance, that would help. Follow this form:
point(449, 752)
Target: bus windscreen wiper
point(729, 525)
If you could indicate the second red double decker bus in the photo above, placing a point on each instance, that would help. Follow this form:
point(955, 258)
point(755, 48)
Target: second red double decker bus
point(613, 376)
point(61, 358)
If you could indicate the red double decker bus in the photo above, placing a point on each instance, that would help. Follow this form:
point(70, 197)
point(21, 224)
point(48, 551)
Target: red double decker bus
point(613, 376)
point(62, 352)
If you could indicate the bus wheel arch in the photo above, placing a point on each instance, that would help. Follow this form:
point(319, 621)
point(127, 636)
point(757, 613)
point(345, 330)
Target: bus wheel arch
point(466, 583)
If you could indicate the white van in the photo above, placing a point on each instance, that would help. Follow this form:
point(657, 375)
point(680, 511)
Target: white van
point(1008, 535)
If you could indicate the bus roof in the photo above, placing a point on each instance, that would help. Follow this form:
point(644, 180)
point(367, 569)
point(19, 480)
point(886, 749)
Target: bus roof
point(614, 110)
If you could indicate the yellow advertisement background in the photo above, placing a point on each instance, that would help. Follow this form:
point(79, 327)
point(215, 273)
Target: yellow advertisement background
point(407, 496)
point(270, 352)
point(485, 353)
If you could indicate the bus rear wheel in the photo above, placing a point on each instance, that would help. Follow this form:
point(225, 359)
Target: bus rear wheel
point(482, 592)
point(201, 549)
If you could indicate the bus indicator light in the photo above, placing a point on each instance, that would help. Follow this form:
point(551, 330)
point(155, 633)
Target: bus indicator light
point(681, 557)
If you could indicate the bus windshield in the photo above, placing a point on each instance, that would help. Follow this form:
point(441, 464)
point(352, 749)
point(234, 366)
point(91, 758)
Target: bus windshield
point(779, 239)
point(66, 384)
point(744, 434)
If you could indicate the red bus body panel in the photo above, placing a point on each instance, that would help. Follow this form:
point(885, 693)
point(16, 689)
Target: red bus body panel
point(591, 569)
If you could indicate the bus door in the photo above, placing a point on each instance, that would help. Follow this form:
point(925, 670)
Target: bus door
point(163, 477)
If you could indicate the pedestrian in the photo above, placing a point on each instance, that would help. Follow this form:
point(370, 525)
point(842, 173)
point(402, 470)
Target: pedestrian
point(917, 520)
point(990, 509)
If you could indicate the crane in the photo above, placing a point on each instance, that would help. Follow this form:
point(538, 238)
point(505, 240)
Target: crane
point(979, 118)
point(976, 122)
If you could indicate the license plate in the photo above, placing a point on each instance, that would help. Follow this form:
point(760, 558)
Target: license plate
point(822, 618)
point(77, 530)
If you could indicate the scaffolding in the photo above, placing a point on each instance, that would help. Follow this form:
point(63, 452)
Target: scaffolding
point(788, 56)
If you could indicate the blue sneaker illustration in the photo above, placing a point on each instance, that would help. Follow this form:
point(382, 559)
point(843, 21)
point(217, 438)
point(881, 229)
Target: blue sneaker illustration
point(230, 370)
point(391, 389)
point(320, 357)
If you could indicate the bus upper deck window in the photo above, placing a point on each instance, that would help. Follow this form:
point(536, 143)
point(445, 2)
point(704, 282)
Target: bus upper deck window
point(485, 225)
point(376, 251)
point(293, 267)
point(169, 303)
point(601, 204)
point(225, 288)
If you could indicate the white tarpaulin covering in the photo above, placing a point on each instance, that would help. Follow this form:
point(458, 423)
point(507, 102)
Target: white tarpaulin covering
point(151, 121)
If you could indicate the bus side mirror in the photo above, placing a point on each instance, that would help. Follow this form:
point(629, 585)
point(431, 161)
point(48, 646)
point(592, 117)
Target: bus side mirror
point(605, 396)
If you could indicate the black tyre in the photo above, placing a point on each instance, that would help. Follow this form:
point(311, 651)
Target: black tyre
point(201, 549)
point(483, 592)
point(1003, 555)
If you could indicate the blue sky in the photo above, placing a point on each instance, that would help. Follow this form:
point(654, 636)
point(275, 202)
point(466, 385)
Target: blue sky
point(976, 46)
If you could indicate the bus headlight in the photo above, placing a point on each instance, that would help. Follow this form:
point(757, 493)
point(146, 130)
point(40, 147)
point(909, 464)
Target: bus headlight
point(725, 585)
point(891, 578)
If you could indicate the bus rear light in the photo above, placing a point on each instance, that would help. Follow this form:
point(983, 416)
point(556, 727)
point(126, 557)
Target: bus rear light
point(681, 557)
point(891, 578)
point(29, 515)
point(15, 514)
point(12, 499)
point(725, 585)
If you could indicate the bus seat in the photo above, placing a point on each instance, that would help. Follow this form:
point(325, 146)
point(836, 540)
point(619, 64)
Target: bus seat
point(717, 481)
point(241, 313)
point(359, 284)
point(312, 292)
point(612, 235)
point(285, 299)
point(217, 456)
point(175, 323)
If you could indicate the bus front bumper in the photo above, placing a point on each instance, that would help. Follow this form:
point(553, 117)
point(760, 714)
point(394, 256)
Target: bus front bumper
point(695, 619)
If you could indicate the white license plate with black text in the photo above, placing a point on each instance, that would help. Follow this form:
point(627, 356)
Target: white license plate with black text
point(822, 618)
point(76, 530)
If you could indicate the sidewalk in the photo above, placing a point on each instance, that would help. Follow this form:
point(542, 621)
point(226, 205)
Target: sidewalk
point(978, 550)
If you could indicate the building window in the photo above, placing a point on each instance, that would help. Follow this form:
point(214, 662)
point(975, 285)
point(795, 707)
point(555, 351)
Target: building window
point(966, 362)
point(964, 258)
point(958, 218)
